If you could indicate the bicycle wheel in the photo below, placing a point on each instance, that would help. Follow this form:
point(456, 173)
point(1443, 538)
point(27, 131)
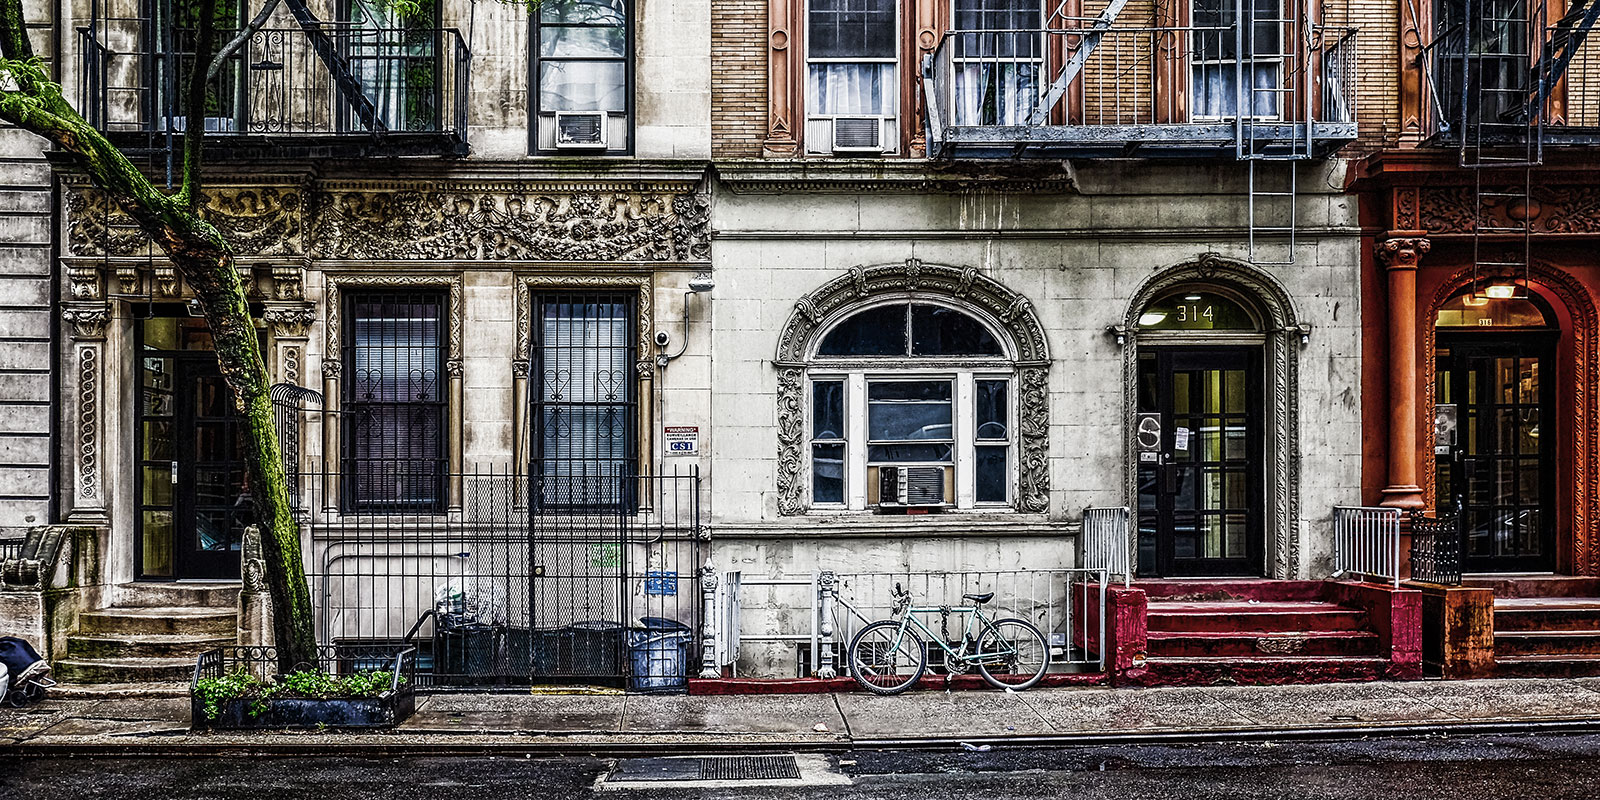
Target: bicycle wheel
point(1014, 654)
point(886, 660)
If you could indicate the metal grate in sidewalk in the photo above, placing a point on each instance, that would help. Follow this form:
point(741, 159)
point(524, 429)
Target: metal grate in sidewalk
point(749, 768)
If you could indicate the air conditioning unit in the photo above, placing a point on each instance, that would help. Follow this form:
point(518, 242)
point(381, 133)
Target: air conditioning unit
point(581, 130)
point(857, 135)
point(912, 487)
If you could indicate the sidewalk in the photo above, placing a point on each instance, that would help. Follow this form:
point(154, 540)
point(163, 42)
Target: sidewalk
point(617, 723)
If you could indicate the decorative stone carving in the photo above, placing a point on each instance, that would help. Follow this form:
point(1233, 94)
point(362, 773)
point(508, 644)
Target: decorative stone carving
point(1549, 209)
point(1403, 252)
point(1280, 645)
point(337, 283)
point(973, 290)
point(257, 221)
point(478, 223)
point(644, 315)
point(289, 322)
point(88, 321)
point(89, 421)
point(1557, 285)
point(1282, 401)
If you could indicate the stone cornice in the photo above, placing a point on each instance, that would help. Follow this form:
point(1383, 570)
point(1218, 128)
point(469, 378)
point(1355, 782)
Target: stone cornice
point(847, 176)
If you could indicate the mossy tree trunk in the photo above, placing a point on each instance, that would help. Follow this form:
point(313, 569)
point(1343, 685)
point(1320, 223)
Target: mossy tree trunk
point(199, 254)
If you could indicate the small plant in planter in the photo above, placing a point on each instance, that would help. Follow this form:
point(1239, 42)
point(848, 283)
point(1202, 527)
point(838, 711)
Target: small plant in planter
point(370, 691)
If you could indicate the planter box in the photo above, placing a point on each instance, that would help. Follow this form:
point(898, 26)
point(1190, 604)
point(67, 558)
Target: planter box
point(386, 710)
point(366, 712)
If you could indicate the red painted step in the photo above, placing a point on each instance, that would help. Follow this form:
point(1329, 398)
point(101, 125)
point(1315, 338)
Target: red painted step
point(1230, 590)
point(1252, 644)
point(1534, 643)
point(1546, 666)
point(1525, 586)
point(1262, 671)
point(1217, 617)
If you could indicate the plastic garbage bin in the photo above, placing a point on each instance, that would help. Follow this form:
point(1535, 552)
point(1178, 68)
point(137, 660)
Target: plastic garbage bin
point(658, 655)
point(466, 654)
point(591, 649)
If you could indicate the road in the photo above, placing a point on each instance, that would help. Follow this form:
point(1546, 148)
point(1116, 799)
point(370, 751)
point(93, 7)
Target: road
point(1471, 767)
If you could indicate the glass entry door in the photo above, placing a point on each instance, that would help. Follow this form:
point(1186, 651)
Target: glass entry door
point(1494, 447)
point(1200, 462)
point(193, 499)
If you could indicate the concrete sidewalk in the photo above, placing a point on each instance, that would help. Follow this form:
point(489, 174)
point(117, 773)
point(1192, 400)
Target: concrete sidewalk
point(617, 723)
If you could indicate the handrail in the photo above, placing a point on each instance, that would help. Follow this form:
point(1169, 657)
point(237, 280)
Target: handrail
point(1366, 543)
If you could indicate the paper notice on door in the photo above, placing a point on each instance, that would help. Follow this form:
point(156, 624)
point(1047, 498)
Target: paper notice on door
point(1180, 439)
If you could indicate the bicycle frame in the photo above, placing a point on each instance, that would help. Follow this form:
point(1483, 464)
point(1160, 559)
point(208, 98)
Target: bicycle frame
point(974, 614)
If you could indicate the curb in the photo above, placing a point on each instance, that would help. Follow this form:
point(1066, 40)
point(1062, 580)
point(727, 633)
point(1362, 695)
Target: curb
point(548, 745)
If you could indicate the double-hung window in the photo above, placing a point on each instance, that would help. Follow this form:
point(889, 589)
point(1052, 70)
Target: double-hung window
point(582, 76)
point(852, 91)
point(910, 405)
point(584, 415)
point(999, 60)
point(1236, 63)
point(394, 408)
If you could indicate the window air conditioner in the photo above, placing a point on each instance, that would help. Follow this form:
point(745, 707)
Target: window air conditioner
point(581, 130)
point(857, 135)
point(911, 486)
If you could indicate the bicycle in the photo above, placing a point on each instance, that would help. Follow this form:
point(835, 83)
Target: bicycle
point(889, 656)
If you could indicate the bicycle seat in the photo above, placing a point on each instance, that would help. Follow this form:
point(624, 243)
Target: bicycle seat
point(980, 599)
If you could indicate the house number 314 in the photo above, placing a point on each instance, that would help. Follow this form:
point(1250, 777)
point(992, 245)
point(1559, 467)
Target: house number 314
point(1194, 313)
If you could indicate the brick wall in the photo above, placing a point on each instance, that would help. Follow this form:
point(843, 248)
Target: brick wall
point(1377, 68)
point(738, 78)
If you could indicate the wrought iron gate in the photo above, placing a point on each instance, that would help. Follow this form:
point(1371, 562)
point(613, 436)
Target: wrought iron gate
point(525, 579)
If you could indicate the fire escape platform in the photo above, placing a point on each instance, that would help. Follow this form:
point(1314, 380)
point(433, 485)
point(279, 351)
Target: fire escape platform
point(1177, 140)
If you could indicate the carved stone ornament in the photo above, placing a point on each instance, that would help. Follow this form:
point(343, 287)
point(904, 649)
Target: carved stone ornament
point(963, 287)
point(289, 322)
point(334, 325)
point(482, 223)
point(1282, 403)
point(1549, 209)
point(88, 321)
point(1403, 252)
point(257, 221)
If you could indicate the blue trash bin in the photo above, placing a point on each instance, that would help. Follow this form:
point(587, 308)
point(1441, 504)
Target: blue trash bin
point(658, 656)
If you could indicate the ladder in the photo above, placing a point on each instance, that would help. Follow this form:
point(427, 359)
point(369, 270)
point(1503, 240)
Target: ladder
point(1273, 192)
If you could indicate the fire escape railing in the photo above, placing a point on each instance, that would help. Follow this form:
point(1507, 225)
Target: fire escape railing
point(316, 80)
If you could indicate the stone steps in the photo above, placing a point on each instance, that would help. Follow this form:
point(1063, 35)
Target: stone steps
point(1546, 614)
point(1240, 617)
point(160, 621)
point(1252, 644)
point(112, 645)
point(123, 670)
point(152, 633)
point(1263, 670)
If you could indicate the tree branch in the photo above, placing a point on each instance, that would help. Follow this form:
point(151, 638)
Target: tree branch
point(14, 42)
point(194, 130)
point(236, 42)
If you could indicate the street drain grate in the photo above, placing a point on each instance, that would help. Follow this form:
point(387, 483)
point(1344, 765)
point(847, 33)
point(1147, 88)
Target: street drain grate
point(749, 768)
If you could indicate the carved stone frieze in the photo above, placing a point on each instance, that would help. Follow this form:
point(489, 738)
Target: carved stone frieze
point(257, 221)
point(1549, 209)
point(912, 277)
point(475, 223)
point(1282, 401)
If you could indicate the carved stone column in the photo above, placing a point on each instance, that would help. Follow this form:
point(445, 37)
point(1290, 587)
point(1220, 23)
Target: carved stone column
point(453, 368)
point(87, 376)
point(519, 414)
point(1400, 253)
point(785, 22)
point(331, 370)
point(288, 327)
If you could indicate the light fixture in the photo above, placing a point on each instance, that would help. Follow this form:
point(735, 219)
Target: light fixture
point(699, 284)
point(1191, 297)
point(1501, 291)
point(1150, 318)
point(1473, 300)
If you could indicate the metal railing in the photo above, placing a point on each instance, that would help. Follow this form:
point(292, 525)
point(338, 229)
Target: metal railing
point(1104, 542)
point(318, 80)
point(10, 549)
point(1505, 99)
point(1436, 548)
point(1149, 83)
point(1366, 543)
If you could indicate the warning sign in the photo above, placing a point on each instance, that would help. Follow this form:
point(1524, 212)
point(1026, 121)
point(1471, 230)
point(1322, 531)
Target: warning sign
point(682, 440)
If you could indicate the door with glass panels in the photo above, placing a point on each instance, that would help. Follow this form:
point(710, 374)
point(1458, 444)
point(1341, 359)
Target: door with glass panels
point(1494, 447)
point(194, 499)
point(1200, 489)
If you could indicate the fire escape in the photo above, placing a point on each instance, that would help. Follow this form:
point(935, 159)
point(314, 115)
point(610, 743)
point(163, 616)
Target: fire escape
point(298, 87)
point(1502, 84)
point(1244, 80)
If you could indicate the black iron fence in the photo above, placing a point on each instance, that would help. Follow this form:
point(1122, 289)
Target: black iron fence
point(1436, 548)
point(522, 578)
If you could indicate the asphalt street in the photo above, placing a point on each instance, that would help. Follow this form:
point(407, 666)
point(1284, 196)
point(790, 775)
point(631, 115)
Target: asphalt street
point(1547, 766)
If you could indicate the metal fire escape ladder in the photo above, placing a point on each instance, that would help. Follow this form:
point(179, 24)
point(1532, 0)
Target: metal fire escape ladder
point(1273, 193)
point(349, 86)
point(1506, 115)
point(1075, 62)
point(1566, 38)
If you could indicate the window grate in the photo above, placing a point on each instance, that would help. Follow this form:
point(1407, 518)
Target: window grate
point(394, 404)
point(585, 410)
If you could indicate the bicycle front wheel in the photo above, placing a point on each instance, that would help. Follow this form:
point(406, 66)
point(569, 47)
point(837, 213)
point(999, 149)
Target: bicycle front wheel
point(887, 659)
point(1012, 654)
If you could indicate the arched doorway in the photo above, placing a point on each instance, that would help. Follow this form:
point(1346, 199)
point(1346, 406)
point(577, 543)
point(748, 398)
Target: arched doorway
point(1200, 435)
point(1495, 425)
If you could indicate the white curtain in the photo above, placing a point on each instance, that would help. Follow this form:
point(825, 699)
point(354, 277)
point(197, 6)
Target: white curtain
point(852, 89)
point(993, 93)
point(1216, 90)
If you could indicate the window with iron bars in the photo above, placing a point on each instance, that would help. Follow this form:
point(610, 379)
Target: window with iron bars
point(394, 403)
point(585, 410)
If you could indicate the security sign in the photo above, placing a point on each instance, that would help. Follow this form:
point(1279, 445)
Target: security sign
point(682, 440)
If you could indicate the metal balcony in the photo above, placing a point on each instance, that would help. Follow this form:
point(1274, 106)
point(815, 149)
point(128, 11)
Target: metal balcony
point(320, 89)
point(1146, 92)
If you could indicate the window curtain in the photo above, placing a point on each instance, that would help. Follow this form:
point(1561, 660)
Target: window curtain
point(852, 89)
point(994, 93)
point(1216, 90)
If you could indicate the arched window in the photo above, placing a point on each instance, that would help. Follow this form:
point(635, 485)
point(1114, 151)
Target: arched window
point(1493, 308)
point(911, 406)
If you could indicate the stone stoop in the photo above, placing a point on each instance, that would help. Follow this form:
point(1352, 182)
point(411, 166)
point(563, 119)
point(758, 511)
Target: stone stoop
point(150, 633)
point(1257, 632)
point(1545, 626)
